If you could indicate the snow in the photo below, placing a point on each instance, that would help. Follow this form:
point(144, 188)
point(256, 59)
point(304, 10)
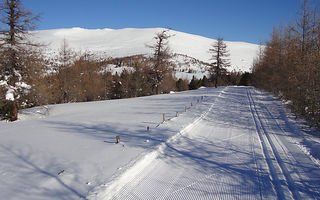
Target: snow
point(10, 90)
point(23, 85)
point(114, 69)
point(10, 94)
point(232, 151)
point(3, 83)
point(132, 41)
point(235, 143)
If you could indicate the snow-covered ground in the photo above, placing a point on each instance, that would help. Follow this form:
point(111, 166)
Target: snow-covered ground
point(232, 143)
point(132, 41)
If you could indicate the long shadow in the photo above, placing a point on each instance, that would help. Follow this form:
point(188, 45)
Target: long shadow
point(235, 115)
point(309, 175)
point(37, 170)
point(107, 133)
point(196, 154)
point(136, 137)
point(206, 161)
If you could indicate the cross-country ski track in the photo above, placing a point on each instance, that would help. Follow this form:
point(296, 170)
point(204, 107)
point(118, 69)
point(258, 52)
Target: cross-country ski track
point(215, 143)
point(242, 146)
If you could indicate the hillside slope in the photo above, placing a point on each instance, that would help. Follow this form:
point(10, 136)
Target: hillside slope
point(232, 143)
point(131, 41)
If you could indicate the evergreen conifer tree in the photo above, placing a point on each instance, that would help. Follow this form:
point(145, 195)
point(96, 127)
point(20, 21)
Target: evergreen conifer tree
point(14, 49)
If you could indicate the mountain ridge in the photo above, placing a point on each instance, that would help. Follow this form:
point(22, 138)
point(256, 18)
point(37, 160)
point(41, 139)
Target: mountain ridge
point(134, 41)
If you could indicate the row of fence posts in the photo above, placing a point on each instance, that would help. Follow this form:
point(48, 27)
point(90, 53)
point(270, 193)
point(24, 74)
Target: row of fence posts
point(164, 118)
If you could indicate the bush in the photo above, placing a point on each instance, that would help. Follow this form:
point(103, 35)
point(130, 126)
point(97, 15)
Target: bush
point(8, 111)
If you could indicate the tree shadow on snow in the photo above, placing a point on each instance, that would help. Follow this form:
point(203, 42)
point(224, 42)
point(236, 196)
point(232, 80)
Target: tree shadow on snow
point(231, 159)
point(31, 171)
point(107, 133)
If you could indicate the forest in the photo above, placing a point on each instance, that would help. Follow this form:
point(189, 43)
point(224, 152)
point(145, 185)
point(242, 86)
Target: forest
point(29, 78)
point(288, 66)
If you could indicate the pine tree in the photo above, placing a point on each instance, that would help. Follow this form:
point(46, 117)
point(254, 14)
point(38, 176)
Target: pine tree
point(194, 83)
point(15, 48)
point(220, 59)
point(205, 82)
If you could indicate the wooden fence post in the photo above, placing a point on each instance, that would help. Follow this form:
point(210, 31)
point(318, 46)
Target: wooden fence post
point(117, 139)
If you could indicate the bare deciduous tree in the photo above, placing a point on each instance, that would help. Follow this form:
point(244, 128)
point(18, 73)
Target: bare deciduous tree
point(220, 59)
point(161, 56)
point(289, 65)
point(66, 58)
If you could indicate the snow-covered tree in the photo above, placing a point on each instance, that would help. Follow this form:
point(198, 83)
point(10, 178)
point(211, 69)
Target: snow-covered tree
point(14, 49)
point(220, 59)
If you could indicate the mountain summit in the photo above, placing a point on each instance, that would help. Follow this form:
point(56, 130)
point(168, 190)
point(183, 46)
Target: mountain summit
point(132, 41)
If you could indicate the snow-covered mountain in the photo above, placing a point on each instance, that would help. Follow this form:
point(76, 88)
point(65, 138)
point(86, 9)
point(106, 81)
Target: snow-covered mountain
point(131, 41)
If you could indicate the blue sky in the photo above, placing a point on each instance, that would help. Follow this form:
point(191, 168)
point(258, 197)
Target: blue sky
point(234, 20)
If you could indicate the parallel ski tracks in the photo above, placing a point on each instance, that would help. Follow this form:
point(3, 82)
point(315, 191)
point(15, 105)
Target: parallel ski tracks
point(281, 179)
point(269, 168)
point(291, 170)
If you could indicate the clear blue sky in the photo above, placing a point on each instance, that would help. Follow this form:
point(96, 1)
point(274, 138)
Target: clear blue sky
point(234, 20)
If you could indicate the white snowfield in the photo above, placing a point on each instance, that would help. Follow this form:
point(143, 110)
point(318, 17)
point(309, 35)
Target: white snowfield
point(133, 41)
point(232, 143)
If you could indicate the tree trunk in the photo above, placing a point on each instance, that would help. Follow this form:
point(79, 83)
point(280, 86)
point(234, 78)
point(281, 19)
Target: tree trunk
point(14, 116)
point(11, 111)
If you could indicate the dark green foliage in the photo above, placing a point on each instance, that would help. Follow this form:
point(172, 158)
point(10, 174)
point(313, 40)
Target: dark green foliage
point(194, 84)
point(246, 79)
point(205, 82)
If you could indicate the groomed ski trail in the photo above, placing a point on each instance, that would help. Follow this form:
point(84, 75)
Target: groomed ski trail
point(238, 149)
point(293, 173)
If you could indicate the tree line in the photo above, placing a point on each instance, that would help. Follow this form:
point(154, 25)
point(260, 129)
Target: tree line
point(29, 79)
point(289, 64)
